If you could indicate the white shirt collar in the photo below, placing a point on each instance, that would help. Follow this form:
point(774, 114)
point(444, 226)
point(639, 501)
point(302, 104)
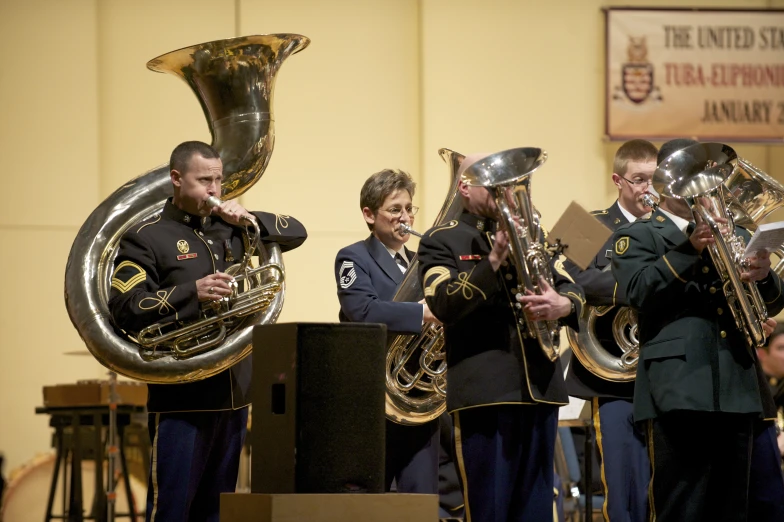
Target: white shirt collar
point(681, 223)
point(628, 215)
point(402, 253)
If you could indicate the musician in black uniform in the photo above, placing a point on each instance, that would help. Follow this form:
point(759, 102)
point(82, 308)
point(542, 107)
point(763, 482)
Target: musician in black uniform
point(625, 468)
point(503, 392)
point(697, 384)
point(166, 267)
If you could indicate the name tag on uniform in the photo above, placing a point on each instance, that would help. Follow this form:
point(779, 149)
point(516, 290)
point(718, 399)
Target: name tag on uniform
point(187, 256)
point(471, 258)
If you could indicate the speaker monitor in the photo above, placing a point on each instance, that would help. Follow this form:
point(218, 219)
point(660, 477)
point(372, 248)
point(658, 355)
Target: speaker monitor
point(318, 408)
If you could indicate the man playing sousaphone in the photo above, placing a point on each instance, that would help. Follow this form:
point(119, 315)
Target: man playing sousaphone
point(167, 267)
point(503, 390)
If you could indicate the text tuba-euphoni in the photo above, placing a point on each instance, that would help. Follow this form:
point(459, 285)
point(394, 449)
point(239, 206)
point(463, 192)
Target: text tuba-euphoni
point(233, 80)
point(416, 364)
point(507, 174)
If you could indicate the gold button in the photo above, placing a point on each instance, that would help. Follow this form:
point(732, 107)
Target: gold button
point(719, 311)
point(200, 233)
point(504, 263)
point(723, 334)
point(712, 290)
point(705, 270)
point(209, 241)
point(508, 277)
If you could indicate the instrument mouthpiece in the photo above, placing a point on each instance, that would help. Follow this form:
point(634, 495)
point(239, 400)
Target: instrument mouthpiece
point(406, 229)
point(214, 201)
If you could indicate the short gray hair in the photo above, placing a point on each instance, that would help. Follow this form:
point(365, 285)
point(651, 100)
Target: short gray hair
point(380, 185)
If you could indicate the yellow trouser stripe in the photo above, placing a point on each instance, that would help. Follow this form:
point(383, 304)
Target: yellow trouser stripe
point(461, 464)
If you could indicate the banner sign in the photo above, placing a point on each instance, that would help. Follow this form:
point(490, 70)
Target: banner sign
point(703, 74)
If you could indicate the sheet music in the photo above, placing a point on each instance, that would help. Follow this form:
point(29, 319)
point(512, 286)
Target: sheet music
point(769, 236)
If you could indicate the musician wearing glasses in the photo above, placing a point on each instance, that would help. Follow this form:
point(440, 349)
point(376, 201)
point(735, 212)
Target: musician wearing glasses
point(698, 387)
point(367, 274)
point(503, 391)
point(625, 468)
point(167, 266)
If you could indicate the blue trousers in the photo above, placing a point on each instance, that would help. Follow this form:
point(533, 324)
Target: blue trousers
point(766, 482)
point(505, 461)
point(195, 458)
point(626, 468)
point(412, 457)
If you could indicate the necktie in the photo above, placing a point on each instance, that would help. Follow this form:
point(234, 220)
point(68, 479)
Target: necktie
point(400, 261)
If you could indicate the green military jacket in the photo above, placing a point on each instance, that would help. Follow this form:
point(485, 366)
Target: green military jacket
point(692, 354)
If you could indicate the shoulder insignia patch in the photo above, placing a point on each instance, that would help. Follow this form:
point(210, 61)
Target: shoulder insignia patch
point(347, 274)
point(622, 245)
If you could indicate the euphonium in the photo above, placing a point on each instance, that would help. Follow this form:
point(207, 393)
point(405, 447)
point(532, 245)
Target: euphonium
point(589, 350)
point(508, 175)
point(416, 364)
point(697, 175)
point(233, 80)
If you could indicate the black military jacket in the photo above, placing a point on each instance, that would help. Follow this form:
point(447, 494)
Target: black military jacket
point(154, 281)
point(692, 355)
point(601, 289)
point(488, 360)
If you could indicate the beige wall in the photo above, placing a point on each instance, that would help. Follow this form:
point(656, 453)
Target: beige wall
point(385, 83)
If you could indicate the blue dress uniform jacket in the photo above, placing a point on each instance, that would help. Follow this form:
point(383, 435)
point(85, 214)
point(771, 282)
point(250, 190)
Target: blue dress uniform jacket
point(154, 281)
point(489, 361)
point(367, 278)
point(692, 355)
point(601, 289)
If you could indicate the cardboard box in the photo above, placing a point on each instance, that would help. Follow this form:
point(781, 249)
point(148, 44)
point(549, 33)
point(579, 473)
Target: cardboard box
point(338, 507)
point(93, 393)
point(582, 234)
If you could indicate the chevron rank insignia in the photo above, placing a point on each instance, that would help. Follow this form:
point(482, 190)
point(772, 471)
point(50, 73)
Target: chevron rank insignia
point(347, 274)
point(127, 275)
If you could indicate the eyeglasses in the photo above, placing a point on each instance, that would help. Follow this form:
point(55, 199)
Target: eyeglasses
point(397, 211)
point(637, 182)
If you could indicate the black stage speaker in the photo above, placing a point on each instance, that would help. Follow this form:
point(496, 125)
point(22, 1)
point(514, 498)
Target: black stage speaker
point(318, 408)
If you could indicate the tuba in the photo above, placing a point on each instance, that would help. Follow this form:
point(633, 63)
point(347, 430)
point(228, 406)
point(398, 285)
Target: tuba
point(753, 196)
point(597, 358)
point(416, 364)
point(507, 175)
point(697, 175)
point(233, 80)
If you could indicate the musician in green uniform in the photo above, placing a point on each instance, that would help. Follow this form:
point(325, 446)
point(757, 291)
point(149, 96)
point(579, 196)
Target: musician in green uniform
point(697, 385)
